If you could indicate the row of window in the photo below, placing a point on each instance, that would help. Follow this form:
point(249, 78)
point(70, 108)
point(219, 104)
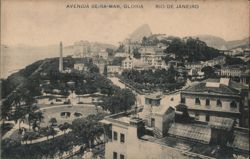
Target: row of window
point(115, 137)
point(197, 117)
point(115, 156)
point(233, 104)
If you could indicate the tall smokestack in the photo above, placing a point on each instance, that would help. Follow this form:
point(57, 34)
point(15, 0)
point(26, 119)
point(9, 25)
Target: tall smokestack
point(61, 58)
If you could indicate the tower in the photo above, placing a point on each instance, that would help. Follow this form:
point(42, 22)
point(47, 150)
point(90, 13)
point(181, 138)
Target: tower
point(61, 58)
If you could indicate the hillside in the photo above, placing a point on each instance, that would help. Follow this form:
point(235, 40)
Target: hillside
point(14, 58)
point(219, 43)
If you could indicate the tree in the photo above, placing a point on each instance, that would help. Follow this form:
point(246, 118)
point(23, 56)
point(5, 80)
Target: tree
point(105, 72)
point(136, 53)
point(121, 100)
point(64, 127)
point(52, 132)
point(53, 121)
point(208, 72)
point(88, 128)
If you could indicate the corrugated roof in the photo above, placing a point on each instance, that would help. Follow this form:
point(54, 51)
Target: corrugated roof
point(194, 132)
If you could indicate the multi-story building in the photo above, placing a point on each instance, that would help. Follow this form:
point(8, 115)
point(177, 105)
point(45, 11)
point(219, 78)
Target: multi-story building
point(236, 72)
point(127, 137)
point(103, 54)
point(215, 98)
point(220, 60)
point(82, 48)
point(193, 65)
point(152, 55)
point(128, 63)
point(232, 71)
point(100, 63)
point(113, 69)
point(79, 66)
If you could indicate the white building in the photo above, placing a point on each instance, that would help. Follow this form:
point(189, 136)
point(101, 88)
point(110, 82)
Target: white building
point(128, 63)
point(79, 66)
point(112, 69)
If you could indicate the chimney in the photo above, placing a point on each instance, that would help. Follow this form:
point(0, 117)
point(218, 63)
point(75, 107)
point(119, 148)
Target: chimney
point(61, 58)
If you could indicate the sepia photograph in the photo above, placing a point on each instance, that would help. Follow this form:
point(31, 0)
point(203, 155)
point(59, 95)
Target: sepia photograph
point(124, 79)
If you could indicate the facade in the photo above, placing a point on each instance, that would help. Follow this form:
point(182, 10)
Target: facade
point(220, 60)
point(193, 65)
point(127, 137)
point(79, 66)
point(211, 99)
point(152, 55)
point(100, 63)
point(112, 69)
point(128, 63)
point(82, 48)
point(103, 54)
point(232, 71)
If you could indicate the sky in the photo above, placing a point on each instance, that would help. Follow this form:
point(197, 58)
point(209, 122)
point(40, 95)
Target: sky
point(46, 22)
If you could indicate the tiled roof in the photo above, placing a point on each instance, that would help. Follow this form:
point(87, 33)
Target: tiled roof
point(194, 132)
point(221, 123)
point(240, 141)
point(201, 87)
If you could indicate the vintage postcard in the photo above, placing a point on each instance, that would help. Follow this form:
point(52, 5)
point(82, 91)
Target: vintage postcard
point(125, 79)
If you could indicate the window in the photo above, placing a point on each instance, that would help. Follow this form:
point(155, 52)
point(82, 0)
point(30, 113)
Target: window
point(152, 122)
point(233, 104)
point(122, 156)
point(114, 155)
point(207, 118)
point(115, 135)
point(218, 103)
point(172, 99)
point(197, 116)
point(207, 102)
point(122, 138)
point(197, 101)
point(183, 100)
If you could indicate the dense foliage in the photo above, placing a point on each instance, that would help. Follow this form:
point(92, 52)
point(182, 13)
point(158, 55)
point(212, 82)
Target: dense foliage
point(151, 80)
point(120, 100)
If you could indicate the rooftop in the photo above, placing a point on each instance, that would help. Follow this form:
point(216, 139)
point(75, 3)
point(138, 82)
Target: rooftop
point(215, 86)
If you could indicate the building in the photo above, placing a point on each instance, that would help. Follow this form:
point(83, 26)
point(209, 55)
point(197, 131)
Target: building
point(100, 63)
point(113, 69)
point(152, 55)
point(82, 48)
point(61, 58)
point(128, 63)
point(79, 66)
point(130, 45)
point(232, 71)
point(220, 60)
point(215, 98)
point(127, 137)
point(103, 54)
point(193, 65)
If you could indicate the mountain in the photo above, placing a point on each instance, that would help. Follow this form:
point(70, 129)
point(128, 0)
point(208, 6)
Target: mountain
point(219, 43)
point(140, 32)
point(244, 43)
point(212, 41)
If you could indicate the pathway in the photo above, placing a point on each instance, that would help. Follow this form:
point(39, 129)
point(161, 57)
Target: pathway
point(44, 138)
point(15, 127)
